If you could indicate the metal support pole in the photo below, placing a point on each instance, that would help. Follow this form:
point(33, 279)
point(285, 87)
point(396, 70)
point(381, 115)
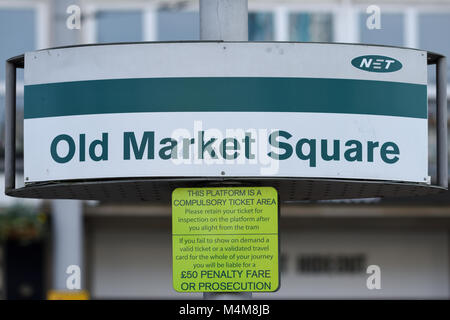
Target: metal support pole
point(67, 215)
point(67, 232)
point(225, 20)
point(441, 125)
point(10, 126)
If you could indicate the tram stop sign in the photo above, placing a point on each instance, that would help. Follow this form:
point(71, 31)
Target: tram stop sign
point(132, 122)
point(225, 239)
point(142, 121)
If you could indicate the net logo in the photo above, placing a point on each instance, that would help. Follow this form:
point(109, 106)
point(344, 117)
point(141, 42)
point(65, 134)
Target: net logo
point(376, 63)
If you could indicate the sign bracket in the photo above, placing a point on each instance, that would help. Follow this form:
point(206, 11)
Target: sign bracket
point(441, 119)
point(12, 65)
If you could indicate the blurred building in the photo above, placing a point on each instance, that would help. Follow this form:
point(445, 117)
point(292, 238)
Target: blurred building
point(325, 246)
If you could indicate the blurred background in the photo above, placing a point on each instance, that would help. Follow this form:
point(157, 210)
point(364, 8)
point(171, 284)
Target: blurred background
point(124, 250)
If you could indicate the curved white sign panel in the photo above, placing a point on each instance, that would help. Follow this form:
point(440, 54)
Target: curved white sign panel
point(227, 110)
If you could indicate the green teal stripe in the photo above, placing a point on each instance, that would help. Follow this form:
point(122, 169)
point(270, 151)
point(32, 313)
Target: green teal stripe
point(226, 94)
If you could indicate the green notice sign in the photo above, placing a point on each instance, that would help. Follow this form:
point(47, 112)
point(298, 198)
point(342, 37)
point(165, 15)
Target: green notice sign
point(225, 239)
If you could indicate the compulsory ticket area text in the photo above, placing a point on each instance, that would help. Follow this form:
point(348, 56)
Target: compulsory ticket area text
point(225, 239)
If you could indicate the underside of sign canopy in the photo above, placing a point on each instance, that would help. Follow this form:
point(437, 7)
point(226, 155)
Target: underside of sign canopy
point(158, 189)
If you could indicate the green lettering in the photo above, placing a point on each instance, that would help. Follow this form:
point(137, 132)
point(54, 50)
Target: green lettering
point(170, 151)
point(147, 141)
point(224, 148)
point(104, 147)
point(273, 141)
point(394, 150)
point(311, 156)
point(54, 145)
point(324, 150)
point(357, 150)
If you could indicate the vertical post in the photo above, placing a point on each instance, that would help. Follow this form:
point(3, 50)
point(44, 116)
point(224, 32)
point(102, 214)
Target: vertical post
point(410, 27)
point(10, 126)
point(346, 26)
point(150, 24)
point(67, 215)
point(441, 125)
point(281, 24)
point(67, 232)
point(225, 20)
